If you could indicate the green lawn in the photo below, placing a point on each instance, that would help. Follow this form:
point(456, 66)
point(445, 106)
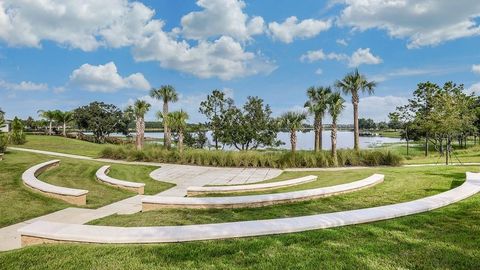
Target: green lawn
point(447, 238)
point(63, 145)
point(19, 203)
point(401, 184)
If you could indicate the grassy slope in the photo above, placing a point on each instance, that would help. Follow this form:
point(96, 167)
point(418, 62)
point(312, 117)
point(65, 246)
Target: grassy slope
point(401, 184)
point(447, 238)
point(62, 145)
point(18, 203)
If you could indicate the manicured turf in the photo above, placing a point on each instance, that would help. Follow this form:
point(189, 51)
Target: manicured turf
point(19, 203)
point(401, 184)
point(63, 145)
point(447, 238)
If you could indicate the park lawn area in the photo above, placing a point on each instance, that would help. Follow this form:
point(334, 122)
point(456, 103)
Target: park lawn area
point(19, 203)
point(63, 145)
point(446, 238)
point(390, 134)
point(139, 174)
point(400, 185)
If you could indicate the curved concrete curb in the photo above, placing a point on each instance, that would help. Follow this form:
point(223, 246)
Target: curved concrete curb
point(193, 191)
point(51, 232)
point(157, 202)
point(70, 195)
point(102, 176)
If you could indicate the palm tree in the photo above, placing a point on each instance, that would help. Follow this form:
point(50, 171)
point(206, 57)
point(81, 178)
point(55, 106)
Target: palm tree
point(178, 122)
point(352, 84)
point(317, 105)
point(49, 116)
point(293, 121)
point(336, 104)
point(64, 118)
point(139, 109)
point(166, 93)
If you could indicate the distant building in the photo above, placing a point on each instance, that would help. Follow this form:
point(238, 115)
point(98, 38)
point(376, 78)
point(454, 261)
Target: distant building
point(6, 128)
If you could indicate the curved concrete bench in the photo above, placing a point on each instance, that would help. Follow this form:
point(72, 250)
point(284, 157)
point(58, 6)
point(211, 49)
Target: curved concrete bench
point(157, 202)
point(193, 191)
point(70, 195)
point(102, 176)
point(51, 232)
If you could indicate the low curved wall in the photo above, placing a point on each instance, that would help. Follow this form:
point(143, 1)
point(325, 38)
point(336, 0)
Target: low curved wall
point(102, 176)
point(193, 191)
point(70, 195)
point(157, 202)
point(51, 232)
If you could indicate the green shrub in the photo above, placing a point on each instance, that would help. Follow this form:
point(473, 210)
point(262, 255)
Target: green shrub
point(3, 142)
point(271, 159)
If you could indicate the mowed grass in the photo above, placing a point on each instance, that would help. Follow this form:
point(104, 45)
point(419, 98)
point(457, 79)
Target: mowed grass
point(63, 145)
point(19, 203)
point(446, 238)
point(400, 185)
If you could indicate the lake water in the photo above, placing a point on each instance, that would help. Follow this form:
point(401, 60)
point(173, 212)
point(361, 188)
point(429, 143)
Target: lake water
point(305, 141)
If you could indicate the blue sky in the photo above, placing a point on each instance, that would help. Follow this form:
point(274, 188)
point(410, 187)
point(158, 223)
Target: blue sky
point(64, 54)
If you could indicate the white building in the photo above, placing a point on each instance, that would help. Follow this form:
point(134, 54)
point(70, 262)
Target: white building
point(6, 128)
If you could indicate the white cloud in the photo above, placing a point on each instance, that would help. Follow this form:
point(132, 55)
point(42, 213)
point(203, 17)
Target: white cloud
point(85, 25)
point(476, 69)
point(422, 22)
point(105, 78)
point(292, 29)
point(23, 86)
point(408, 72)
point(318, 55)
point(474, 88)
point(359, 57)
point(319, 71)
point(342, 42)
point(224, 58)
point(363, 56)
point(90, 24)
point(219, 18)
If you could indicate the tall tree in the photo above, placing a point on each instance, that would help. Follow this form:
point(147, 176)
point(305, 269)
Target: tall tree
point(214, 109)
point(178, 122)
point(63, 118)
point(49, 116)
point(165, 93)
point(99, 118)
point(292, 121)
point(139, 109)
point(353, 84)
point(317, 105)
point(336, 104)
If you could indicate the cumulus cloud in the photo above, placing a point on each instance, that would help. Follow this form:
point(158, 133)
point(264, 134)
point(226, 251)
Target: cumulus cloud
point(476, 69)
point(359, 57)
point(474, 88)
point(85, 25)
point(342, 42)
point(319, 71)
point(363, 56)
point(224, 58)
point(292, 29)
point(23, 86)
point(422, 22)
point(221, 17)
point(105, 78)
point(90, 24)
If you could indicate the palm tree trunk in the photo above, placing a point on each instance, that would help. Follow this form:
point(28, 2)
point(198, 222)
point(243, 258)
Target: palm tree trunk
point(166, 131)
point(318, 139)
point(64, 129)
point(180, 141)
point(293, 140)
point(356, 132)
point(334, 143)
point(140, 127)
point(50, 128)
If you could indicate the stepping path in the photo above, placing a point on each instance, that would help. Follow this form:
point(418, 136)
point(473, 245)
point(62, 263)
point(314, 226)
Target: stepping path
point(54, 232)
point(158, 202)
